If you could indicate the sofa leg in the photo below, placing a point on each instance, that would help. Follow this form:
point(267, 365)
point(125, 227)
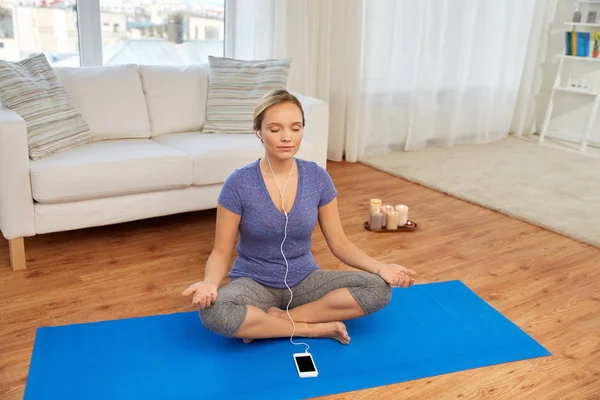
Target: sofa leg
point(16, 248)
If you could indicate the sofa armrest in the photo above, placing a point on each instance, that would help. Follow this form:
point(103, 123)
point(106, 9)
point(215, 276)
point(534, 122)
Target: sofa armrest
point(316, 131)
point(16, 201)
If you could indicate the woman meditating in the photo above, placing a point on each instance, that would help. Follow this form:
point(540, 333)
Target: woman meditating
point(278, 199)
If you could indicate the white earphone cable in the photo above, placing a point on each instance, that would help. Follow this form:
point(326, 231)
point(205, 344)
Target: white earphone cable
point(287, 267)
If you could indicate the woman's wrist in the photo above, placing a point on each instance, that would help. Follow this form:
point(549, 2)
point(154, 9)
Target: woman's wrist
point(355, 257)
point(372, 266)
point(377, 267)
point(211, 280)
point(215, 269)
point(212, 277)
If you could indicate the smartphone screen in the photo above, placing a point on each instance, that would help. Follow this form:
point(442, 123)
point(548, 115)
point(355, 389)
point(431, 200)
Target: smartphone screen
point(305, 363)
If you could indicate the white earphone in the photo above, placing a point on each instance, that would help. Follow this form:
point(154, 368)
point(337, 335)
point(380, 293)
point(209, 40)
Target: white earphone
point(287, 267)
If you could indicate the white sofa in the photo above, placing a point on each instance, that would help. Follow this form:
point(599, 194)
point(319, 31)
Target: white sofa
point(148, 156)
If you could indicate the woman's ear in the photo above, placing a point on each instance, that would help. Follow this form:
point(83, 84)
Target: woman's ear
point(260, 137)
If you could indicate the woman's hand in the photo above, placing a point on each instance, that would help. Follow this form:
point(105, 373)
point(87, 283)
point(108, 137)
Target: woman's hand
point(204, 294)
point(397, 275)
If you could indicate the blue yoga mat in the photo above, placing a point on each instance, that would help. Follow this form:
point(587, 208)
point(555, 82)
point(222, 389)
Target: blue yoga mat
point(426, 330)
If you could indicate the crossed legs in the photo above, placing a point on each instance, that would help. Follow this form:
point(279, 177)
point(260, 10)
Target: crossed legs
point(246, 309)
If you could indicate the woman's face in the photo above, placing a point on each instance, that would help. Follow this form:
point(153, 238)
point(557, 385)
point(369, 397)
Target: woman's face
point(282, 130)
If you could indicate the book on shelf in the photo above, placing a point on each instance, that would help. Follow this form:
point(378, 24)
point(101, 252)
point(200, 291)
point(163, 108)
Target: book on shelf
point(578, 43)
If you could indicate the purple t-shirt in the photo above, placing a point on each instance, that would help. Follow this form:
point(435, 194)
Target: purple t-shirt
point(261, 229)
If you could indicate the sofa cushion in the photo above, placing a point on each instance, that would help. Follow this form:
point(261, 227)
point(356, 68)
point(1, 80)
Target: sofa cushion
point(110, 99)
point(176, 97)
point(235, 88)
point(31, 89)
point(215, 155)
point(109, 168)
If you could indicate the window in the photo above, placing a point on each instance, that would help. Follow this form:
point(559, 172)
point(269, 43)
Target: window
point(112, 32)
point(212, 32)
point(167, 32)
point(30, 27)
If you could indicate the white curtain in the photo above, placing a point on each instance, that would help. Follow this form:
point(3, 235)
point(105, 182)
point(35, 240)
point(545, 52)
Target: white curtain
point(398, 74)
point(323, 39)
point(530, 105)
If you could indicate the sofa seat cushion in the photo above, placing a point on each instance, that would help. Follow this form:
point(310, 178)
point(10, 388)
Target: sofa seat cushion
point(109, 168)
point(215, 155)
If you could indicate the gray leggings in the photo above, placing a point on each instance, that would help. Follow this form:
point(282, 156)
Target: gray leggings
point(227, 314)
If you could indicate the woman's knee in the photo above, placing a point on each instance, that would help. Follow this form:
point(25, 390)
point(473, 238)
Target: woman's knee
point(383, 290)
point(223, 317)
point(374, 294)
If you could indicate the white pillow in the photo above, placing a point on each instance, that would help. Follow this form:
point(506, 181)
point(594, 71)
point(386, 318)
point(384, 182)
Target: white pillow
point(110, 99)
point(31, 89)
point(235, 88)
point(176, 97)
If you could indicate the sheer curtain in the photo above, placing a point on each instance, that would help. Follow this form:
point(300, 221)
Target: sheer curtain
point(398, 74)
point(441, 72)
point(323, 39)
point(530, 106)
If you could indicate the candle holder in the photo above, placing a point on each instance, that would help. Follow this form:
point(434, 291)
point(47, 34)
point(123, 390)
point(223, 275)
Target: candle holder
point(409, 226)
point(387, 218)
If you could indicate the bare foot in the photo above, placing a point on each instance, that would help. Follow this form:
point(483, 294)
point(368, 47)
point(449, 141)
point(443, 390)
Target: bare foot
point(277, 312)
point(334, 330)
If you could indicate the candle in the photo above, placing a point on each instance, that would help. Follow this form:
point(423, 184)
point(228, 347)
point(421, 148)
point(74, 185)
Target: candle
point(385, 210)
point(375, 205)
point(392, 220)
point(376, 221)
point(402, 214)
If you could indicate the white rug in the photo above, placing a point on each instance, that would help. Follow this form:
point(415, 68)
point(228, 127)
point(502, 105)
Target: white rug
point(556, 189)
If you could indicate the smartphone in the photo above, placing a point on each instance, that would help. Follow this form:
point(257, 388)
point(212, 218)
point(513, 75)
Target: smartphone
point(305, 365)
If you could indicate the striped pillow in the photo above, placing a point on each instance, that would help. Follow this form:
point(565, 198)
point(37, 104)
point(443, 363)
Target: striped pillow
point(31, 89)
point(235, 87)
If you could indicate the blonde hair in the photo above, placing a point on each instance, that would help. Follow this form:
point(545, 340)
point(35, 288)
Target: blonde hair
point(272, 99)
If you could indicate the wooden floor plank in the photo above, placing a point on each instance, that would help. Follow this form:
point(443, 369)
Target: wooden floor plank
point(546, 283)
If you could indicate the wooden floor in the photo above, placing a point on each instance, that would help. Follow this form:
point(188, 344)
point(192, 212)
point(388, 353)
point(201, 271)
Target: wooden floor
point(547, 284)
